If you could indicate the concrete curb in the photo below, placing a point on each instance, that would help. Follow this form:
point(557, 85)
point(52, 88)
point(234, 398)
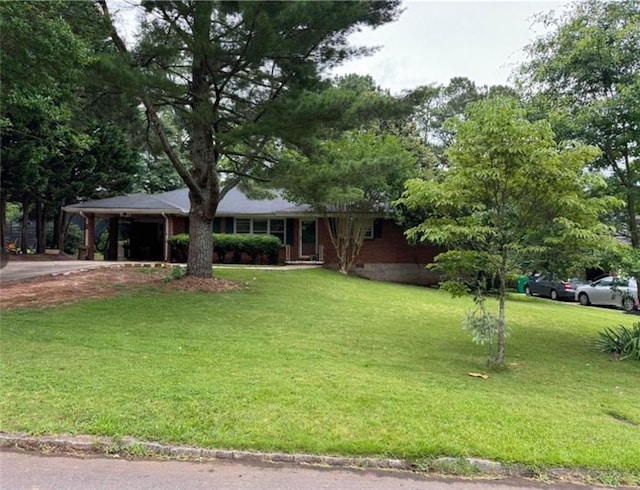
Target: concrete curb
point(129, 447)
point(133, 447)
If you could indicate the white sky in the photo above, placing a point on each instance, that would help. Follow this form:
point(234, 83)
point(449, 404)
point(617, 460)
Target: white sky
point(434, 41)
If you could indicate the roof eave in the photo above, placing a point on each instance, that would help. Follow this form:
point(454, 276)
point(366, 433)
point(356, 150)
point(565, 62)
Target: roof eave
point(123, 211)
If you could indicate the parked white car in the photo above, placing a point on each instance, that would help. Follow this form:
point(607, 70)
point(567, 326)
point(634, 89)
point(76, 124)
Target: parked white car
point(609, 291)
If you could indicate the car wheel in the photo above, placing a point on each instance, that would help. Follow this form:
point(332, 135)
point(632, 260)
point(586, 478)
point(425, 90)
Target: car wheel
point(627, 304)
point(527, 290)
point(584, 299)
point(553, 294)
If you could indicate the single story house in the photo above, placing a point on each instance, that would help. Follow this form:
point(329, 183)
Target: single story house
point(152, 219)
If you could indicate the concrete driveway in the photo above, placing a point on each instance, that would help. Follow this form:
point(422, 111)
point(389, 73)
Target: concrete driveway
point(16, 270)
point(19, 269)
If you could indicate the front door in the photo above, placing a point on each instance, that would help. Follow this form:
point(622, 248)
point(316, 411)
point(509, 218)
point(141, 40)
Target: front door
point(308, 238)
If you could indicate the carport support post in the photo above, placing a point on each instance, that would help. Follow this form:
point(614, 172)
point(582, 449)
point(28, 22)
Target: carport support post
point(90, 235)
point(114, 229)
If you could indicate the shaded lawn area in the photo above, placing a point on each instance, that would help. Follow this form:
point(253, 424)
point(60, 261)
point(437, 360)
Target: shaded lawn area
point(311, 361)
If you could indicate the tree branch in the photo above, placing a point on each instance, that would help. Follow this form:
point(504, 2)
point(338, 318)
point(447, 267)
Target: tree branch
point(151, 111)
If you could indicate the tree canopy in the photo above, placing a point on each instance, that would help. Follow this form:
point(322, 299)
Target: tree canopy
point(510, 193)
point(58, 142)
point(350, 180)
point(231, 70)
point(435, 104)
point(585, 75)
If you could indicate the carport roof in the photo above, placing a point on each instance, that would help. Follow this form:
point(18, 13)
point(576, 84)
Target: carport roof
point(234, 203)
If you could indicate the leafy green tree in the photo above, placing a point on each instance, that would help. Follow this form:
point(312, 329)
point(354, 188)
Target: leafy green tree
point(510, 192)
point(586, 75)
point(231, 70)
point(351, 176)
point(350, 180)
point(58, 142)
point(42, 62)
point(436, 104)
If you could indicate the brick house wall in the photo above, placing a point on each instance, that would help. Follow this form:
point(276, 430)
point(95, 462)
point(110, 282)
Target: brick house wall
point(387, 257)
point(391, 247)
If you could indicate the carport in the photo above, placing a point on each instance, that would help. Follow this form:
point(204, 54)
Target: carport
point(145, 221)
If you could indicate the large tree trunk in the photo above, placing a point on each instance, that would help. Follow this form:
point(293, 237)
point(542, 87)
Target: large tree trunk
point(631, 193)
point(40, 227)
point(60, 235)
point(200, 260)
point(3, 222)
point(24, 234)
point(204, 204)
point(634, 233)
point(204, 193)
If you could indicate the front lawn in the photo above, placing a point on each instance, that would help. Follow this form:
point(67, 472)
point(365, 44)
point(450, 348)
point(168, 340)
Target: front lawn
point(311, 361)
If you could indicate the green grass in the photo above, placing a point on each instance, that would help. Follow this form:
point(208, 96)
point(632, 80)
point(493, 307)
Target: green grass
point(312, 361)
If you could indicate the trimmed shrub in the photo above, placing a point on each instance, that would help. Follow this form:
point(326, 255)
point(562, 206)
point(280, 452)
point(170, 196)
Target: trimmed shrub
point(179, 245)
point(231, 248)
point(622, 341)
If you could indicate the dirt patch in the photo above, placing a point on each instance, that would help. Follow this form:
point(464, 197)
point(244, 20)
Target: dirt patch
point(67, 288)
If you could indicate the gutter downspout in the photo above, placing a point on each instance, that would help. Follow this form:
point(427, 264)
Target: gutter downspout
point(166, 237)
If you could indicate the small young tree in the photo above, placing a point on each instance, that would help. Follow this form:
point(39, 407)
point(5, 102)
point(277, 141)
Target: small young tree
point(510, 192)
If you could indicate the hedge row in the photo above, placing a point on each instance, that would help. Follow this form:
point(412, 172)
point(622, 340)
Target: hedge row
point(232, 249)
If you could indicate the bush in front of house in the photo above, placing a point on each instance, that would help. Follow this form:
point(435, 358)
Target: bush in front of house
point(179, 246)
point(231, 248)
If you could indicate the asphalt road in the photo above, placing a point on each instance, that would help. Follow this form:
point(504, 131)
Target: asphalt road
point(31, 471)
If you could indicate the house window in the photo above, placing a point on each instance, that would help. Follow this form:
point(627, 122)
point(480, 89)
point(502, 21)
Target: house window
point(243, 225)
point(369, 233)
point(261, 226)
point(277, 229)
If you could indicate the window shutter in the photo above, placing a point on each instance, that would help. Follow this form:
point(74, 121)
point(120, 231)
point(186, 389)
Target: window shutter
point(217, 225)
point(228, 225)
point(290, 226)
point(377, 228)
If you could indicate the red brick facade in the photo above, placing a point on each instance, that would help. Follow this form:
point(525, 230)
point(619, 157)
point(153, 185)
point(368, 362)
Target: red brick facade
point(387, 257)
point(390, 248)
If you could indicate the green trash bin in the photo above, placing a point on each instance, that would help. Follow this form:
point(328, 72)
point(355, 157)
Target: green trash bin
point(522, 282)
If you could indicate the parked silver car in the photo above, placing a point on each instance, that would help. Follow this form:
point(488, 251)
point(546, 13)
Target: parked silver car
point(609, 291)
